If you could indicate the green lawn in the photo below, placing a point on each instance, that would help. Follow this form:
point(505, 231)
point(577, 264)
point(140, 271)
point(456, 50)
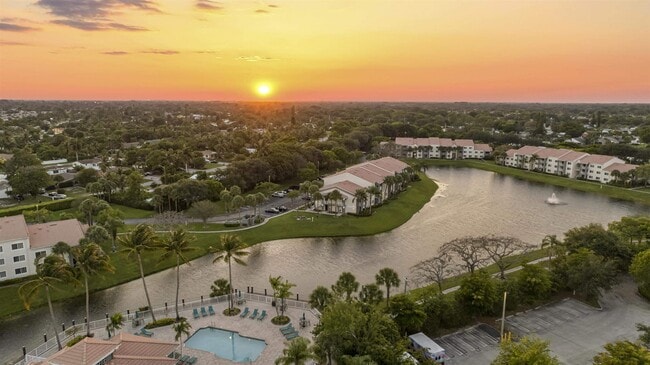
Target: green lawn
point(387, 217)
point(592, 187)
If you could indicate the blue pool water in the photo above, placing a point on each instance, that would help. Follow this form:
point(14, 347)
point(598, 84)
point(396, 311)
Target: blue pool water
point(226, 344)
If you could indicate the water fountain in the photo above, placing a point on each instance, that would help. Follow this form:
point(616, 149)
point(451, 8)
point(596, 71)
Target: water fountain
point(553, 200)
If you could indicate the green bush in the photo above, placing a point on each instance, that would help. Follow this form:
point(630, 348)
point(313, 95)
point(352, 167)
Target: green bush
point(231, 224)
point(51, 206)
point(75, 340)
point(160, 323)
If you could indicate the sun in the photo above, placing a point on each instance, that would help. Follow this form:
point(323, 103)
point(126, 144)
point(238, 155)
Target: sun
point(263, 89)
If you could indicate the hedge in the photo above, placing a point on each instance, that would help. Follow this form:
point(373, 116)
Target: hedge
point(51, 206)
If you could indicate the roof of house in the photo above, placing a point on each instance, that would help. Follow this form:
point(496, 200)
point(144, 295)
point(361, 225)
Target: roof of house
point(511, 152)
point(464, 142)
point(90, 160)
point(572, 156)
point(48, 234)
point(597, 159)
point(5, 156)
point(620, 167)
point(482, 147)
point(404, 141)
point(389, 163)
point(365, 174)
point(529, 150)
point(13, 228)
point(346, 186)
point(127, 349)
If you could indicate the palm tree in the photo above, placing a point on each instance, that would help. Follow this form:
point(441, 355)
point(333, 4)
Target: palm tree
point(346, 285)
point(53, 270)
point(182, 327)
point(111, 220)
point(141, 239)
point(177, 244)
point(90, 260)
point(297, 353)
point(375, 196)
point(90, 207)
point(317, 198)
point(237, 202)
point(552, 243)
point(229, 248)
point(335, 196)
point(360, 197)
point(61, 248)
point(115, 323)
point(389, 278)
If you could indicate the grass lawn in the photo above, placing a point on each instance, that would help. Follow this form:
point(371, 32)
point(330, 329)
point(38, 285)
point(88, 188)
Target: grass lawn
point(387, 217)
point(592, 187)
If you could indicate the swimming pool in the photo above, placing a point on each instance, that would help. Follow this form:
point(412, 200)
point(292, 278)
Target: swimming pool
point(226, 344)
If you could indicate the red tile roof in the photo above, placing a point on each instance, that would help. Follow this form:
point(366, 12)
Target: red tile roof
point(620, 167)
point(346, 186)
point(13, 228)
point(43, 235)
point(597, 159)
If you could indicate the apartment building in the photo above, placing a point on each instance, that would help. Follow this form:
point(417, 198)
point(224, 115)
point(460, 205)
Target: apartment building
point(568, 163)
point(22, 244)
point(443, 148)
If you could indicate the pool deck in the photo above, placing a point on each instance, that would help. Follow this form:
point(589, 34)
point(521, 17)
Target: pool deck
point(263, 330)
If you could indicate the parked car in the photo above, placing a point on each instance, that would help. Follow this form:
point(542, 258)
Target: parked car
point(279, 194)
point(272, 210)
point(282, 208)
point(59, 196)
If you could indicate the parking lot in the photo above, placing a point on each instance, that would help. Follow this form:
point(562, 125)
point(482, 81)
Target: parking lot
point(576, 331)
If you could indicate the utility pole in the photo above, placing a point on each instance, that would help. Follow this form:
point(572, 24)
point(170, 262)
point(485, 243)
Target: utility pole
point(406, 280)
point(503, 313)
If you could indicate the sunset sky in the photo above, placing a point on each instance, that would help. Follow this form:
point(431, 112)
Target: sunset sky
point(326, 50)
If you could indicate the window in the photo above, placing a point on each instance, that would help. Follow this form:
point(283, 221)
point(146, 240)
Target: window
point(19, 258)
point(2, 262)
point(3, 274)
point(21, 270)
point(40, 254)
point(0, 248)
point(17, 246)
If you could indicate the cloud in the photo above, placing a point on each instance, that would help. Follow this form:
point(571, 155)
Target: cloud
point(116, 53)
point(273, 6)
point(208, 5)
point(165, 52)
point(95, 15)
point(256, 58)
point(97, 26)
point(9, 27)
point(10, 43)
point(261, 11)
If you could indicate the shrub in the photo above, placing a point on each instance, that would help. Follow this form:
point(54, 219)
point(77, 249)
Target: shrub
point(51, 206)
point(75, 340)
point(160, 323)
point(231, 224)
point(280, 320)
point(534, 282)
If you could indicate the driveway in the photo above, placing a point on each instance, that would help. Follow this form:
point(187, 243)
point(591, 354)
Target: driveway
point(576, 332)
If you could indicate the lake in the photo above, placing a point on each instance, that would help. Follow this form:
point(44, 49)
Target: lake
point(468, 202)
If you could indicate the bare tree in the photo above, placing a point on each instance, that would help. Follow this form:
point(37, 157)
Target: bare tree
point(499, 248)
point(468, 249)
point(435, 269)
point(168, 220)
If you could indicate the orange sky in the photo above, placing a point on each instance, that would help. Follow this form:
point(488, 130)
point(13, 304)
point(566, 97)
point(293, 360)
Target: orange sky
point(401, 50)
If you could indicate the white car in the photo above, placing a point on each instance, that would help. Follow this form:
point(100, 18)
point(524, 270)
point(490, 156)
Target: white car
point(279, 194)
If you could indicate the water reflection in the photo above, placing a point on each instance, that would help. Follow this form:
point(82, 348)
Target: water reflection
point(469, 202)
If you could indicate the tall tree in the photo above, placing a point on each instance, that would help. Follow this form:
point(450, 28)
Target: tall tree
point(91, 207)
point(181, 327)
point(90, 260)
point(230, 248)
point(623, 353)
point(345, 286)
point(499, 248)
point(525, 352)
point(177, 244)
point(320, 297)
point(203, 210)
point(297, 353)
point(114, 323)
point(54, 270)
point(112, 220)
point(141, 239)
point(389, 278)
point(435, 269)
point(468, 249)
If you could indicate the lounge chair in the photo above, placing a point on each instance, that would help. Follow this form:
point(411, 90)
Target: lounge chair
point(254, 315)
point(203, 312)
point(244, 313)
point(292, 335)
point(191, 361)
point(262, 316)
point(183, 360)
point(146, 332)
point(196, 313)
point(288, 330)
point(290, 325)
point(211, 310)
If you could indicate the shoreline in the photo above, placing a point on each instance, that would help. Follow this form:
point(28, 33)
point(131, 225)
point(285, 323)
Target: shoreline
point(387, 217)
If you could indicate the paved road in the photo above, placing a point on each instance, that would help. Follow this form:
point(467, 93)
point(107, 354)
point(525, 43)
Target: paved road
point(576, 332)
